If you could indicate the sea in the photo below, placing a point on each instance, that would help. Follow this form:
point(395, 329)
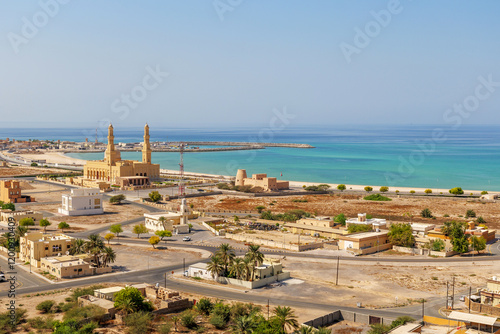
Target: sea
point(396, 156)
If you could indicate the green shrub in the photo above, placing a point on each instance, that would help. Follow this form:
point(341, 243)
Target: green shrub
point(45, 306)
point(470, 214)
point(188, 319)
point(165, 328)
point(354, 228)
point(205, 306)
point(377, 197)
point(42, 322)
point(480, 220)
point(217, 321)
point(426, 213)
point(139, 322)
point(484, 192)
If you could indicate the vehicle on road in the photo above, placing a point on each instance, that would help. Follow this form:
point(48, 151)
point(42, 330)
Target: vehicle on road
point(186, 239)
point(2, 277)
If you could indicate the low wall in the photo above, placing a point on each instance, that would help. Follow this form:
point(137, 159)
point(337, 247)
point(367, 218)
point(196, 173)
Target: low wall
point(271, 243)
point(254, 284)
point(340, 315)
point(442, 322)
point(6, 251)
point(483, 308)
point(274, 194)
point(199, 194)
point(408, 250)
point(371, 250)
point(213, 230)
point(443, 254)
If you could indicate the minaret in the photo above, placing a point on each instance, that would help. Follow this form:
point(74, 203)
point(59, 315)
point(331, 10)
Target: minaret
point(111, 156)
point(146, 148)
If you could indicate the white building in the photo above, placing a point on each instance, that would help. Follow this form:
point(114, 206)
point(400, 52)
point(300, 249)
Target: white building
point(199, 270)
point(82, 202)
point(154, 221)
point(362, 220)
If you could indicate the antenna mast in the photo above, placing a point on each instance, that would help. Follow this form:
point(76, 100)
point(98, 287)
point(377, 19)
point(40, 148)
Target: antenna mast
point(181, 174)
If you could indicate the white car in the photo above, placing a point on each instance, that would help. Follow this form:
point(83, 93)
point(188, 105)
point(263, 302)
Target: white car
point(2, 278)
point(186, 239)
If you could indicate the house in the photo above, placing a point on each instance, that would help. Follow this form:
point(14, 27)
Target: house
point(362, 220)
point(365, 243)
point(177, 223)
point(82, 202)
point(491, 295)
point(199, 270)
point(69, 266)
point(36, 245)
point(319, 226)
point(20, 214)
point(10, 192)
point(421, 229)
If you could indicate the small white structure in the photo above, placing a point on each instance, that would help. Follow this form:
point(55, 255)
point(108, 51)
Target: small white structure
point(362, 220)
point(165, 221)
point(199, 270)
point(421, 229)
point(184, 211)
point(82, 202)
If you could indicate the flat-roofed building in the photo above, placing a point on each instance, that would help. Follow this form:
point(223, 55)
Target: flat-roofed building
point(260, 180)
point(71, 266)
point(366, 242)
point(36, 245)
point(20, 214)
point(82, 202)
point(362, 220)
point(10, 192)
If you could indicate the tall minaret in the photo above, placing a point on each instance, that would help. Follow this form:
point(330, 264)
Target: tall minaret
point(111, 156)
point(146, 148)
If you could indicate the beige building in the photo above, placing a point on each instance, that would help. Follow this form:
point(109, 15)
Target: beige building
point(319, 226)
point(20, 214)
point(69, 266)
point(10, 192)
point(365, 243)
point(171, 222)
point(35, 246)
point(362, 220)
point(117, 171)
point(491, 295)
point(260, 180)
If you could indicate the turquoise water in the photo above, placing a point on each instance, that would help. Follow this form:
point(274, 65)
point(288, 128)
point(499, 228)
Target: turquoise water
point(393, 156)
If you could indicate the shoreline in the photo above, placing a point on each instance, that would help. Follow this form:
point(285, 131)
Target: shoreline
point(62, 158)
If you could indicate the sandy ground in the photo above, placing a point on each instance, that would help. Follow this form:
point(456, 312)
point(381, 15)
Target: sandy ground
point(351, 205)
point(376, 284)
point(54, 157)
point(26, 170)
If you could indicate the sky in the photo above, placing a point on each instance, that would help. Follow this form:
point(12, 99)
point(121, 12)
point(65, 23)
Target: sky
point(234, 63)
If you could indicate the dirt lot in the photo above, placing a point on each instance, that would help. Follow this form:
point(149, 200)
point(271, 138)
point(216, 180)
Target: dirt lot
point(376, 284)
point(351, 205)
point(26, 170)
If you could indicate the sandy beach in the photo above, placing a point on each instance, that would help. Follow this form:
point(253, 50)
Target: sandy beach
point(61, 158)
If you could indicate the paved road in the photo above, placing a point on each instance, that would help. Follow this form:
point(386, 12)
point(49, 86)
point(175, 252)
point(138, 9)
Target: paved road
point(25, 279)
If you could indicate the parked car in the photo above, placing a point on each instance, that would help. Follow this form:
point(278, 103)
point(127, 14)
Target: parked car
point(186, 239)
point(2, 277)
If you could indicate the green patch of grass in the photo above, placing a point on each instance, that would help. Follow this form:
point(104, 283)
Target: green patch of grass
point(434, 278)
point(376, 197)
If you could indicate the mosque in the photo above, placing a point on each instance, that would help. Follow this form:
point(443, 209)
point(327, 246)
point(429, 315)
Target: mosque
point(114, 170)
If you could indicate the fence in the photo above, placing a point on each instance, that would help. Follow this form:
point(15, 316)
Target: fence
point(272, 243)
point(483, 308)
point(422, 251)
point(254, 284)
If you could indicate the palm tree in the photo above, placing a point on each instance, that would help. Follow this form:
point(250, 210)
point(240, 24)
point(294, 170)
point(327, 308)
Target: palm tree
point(77, 247)
point(323, 330)
point(109, 256)
point(226, 254)
point(162, 221)
point(215, 266)
point(237, 267)
point(255, 256)
point(20, 231)
point(95, 246)
point(244, 325)
point(286, 317)
point(304, 330)
point(247, 267)
point(126, 306)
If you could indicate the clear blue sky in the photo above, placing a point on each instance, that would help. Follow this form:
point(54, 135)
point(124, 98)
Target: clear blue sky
point(262, 55)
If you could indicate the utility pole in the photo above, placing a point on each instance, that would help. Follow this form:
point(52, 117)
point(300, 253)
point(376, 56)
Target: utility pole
point(423, 307)
point(268, 310)
point(337, 279)
point(470, 288)
point(165, 280)
point(184, 266)
point(447, 299)
point(453, 294)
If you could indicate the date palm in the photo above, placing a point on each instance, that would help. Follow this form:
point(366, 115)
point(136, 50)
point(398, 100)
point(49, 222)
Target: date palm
point(237, 268)
point(77, 247)
point(304, 330)
point(215, 266)
point(286, 317)
point(255, 256)
point(109, 256)
point(226, 254)
point(244, 325)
